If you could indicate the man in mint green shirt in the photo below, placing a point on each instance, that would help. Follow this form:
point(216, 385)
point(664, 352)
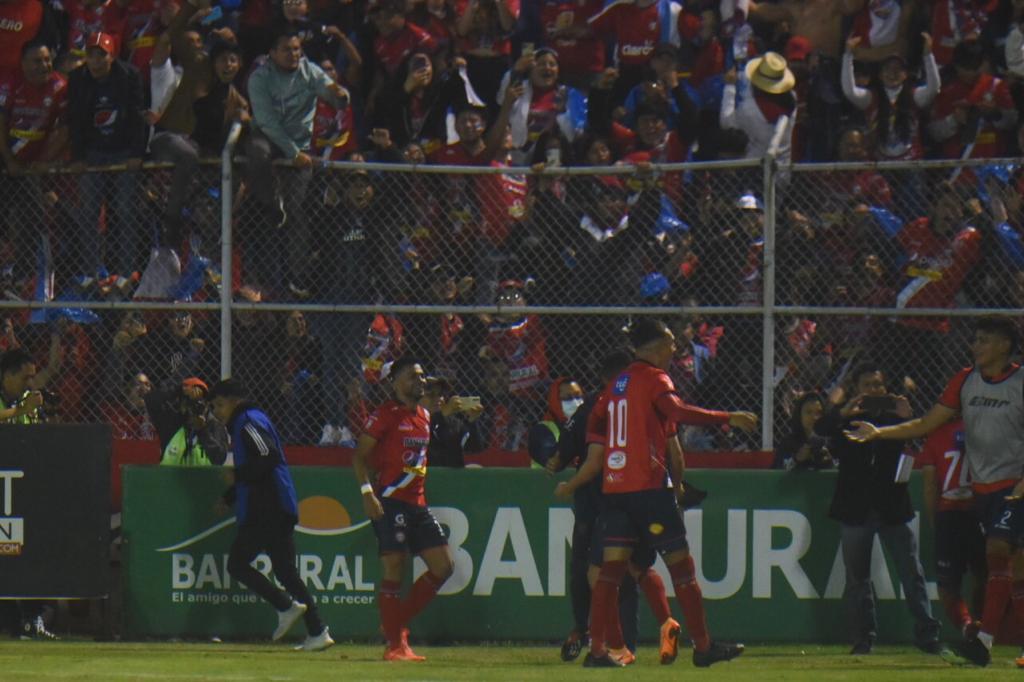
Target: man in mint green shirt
point(283, 92)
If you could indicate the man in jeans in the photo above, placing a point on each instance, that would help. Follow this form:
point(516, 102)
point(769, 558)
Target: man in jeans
point(871, 498)
point(106, 126)
point(283, 92)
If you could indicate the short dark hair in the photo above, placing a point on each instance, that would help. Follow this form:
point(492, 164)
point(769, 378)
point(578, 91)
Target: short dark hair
point(284, 34)
point(866, 367)
point(33, 44)
point(401, 363)
point(228, 388)
point(1000, 326)
point(613, 363)
point(13, 360)
point(646, 330)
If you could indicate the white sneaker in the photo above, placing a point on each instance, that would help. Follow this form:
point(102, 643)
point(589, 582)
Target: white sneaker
point(317, 642)
point(330, 435)
point(286, 619)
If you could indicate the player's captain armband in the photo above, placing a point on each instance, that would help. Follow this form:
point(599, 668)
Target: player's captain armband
point(903, 468)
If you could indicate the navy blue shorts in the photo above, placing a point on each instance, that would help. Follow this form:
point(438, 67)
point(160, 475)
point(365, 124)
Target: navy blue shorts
point(647, 521)
point(407, 528)
point(1001, 518)
point(959, 547)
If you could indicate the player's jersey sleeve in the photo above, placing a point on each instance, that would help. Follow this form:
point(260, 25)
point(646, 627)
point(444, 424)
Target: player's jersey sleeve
point(951, 396)
point(597, 422)
point(673, 408)
point(378, 424)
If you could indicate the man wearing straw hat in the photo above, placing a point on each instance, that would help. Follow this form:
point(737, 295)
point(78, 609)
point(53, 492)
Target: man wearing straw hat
point(766, 101)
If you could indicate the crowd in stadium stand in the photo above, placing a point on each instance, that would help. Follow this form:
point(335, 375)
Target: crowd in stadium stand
point(548, 83)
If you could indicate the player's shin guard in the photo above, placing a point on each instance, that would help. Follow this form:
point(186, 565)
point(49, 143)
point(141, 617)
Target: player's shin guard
point(604, 605)
point(390, 603)
point(997, 595)
point(422, 592)
point(684, 580)
point(654, 589)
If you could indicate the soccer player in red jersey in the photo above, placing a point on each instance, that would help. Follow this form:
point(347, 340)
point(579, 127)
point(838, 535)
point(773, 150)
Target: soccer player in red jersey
point(628, 434)
point(394, 446)
point(959, 542)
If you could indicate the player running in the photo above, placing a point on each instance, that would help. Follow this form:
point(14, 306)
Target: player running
point(629, 431)
point(394, 445)
point(990, 397)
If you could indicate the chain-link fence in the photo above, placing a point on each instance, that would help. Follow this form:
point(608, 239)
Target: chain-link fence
point(305, 283)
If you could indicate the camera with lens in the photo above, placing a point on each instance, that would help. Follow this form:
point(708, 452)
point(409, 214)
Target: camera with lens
point(50, 399)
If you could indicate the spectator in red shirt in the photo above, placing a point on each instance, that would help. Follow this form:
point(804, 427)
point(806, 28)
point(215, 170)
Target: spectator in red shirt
point(567, 31)
point(396, 38)
point(33, 135)
point(954, 22)
point(637, 27)
point(86, 17)
point(974, 112)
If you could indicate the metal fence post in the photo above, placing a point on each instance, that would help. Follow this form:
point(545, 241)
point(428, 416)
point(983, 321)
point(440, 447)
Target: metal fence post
point(768, 302)
point(227, 198)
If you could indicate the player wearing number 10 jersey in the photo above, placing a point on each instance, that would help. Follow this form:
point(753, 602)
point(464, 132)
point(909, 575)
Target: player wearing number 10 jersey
point(629, 431)
point(959, 543)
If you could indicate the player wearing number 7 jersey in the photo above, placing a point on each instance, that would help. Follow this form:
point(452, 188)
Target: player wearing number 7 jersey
point(628, 436)
point(959, 543)
point(990, 397)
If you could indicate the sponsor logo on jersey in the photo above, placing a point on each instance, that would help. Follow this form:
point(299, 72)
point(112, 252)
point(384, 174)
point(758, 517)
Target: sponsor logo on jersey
point(620, 384)
point(617, 460)
point(982, 401)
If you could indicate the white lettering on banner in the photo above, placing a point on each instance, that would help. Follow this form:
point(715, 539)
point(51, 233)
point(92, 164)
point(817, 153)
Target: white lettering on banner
point(787, 559)
point(508, 525)
point(457, 523)
point(12, 530)
point(208, 573)
point(182, 576)
point(9, 475)
point(560, 522)
point(735, 553)
point(213, 572)
point(310, 567)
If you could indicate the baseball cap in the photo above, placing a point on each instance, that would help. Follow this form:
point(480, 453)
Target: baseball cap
point(104, 41)
point(749, 202)
point(195, 382)
point(798, 49)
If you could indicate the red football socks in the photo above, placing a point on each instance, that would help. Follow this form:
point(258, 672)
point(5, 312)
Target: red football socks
point(997, 593)
point(604, 605)
point(684, 580)
point(654, 589)
point(423, 590)
point(956, 609)
point(390, 604)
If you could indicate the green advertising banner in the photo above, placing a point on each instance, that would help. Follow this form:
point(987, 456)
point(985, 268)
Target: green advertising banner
point(767, 556)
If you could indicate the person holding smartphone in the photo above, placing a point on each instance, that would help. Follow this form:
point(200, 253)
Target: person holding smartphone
point(454, 424)
point(872, 499)
point(989, 396)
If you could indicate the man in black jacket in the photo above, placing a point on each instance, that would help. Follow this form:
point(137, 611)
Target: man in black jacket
point(454, 424)
point(105, 102)
point(871, 498)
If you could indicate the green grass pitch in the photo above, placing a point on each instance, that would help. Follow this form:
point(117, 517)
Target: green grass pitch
point(85, 660)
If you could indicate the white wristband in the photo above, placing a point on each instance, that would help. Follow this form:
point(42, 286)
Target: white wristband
point(366, 488)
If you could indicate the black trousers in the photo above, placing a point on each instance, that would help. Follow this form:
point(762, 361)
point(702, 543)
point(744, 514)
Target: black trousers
point(276, 538)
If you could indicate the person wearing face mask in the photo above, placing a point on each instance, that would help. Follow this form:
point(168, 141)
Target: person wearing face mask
point(564, 399)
